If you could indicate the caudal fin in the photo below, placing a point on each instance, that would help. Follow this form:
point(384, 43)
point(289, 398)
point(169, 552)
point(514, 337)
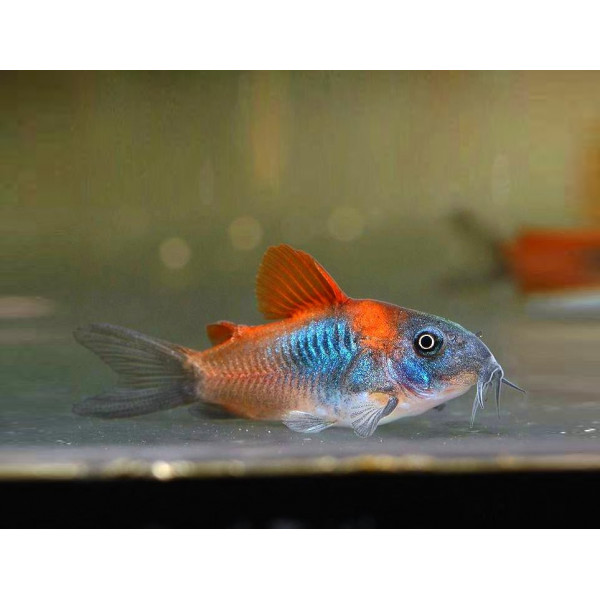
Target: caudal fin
point(154, 375)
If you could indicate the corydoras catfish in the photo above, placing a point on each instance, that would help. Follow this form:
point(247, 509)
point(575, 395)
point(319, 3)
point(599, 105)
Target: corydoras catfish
point(325, 359)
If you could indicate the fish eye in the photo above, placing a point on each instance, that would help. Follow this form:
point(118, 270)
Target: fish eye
point(428, 343)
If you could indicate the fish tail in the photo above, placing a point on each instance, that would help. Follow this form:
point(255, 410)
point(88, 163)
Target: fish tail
point(154, 375)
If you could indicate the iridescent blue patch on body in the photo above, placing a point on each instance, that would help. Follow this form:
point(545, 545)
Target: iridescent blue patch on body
point(414, 372)
point(321, 350)
point(367, 373)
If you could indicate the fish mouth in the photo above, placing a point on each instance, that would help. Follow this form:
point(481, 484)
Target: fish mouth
point(493, 376)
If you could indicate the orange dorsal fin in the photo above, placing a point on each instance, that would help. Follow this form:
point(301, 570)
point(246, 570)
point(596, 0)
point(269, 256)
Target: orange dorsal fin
point(222, 331)
point(291, 281)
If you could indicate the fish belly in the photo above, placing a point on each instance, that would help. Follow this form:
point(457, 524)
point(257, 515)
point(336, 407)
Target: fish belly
point(411, 406)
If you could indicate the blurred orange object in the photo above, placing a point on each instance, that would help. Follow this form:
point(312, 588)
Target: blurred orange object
point(553, 260)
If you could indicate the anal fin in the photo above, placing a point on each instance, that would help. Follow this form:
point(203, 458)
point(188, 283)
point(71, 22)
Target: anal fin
point(304, 422)
point(210, 411)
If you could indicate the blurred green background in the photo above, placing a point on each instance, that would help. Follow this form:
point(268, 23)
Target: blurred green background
point(163, 182)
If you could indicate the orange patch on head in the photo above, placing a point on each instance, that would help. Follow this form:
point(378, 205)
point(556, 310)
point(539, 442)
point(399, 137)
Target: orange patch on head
point(376, 322)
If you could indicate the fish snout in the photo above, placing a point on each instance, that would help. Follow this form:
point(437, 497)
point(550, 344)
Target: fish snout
point(490, 374)
point(483, 360)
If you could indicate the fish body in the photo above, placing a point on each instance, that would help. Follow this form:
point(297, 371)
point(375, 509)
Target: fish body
point(326, 359)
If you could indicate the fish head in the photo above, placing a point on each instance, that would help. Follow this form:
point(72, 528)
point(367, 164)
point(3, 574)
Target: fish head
point(436, 359)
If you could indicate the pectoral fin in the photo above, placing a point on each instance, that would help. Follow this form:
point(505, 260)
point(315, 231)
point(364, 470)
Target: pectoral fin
point(304, 422)
point(368, 411)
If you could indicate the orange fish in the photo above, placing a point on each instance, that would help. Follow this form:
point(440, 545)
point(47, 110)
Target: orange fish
point(326, 360)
